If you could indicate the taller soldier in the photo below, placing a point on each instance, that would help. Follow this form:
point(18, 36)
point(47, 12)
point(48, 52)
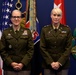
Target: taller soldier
point(55, 45)
point(19, 47)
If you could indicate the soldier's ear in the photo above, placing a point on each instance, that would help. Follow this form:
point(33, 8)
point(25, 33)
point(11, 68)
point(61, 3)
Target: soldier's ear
point(51, 15)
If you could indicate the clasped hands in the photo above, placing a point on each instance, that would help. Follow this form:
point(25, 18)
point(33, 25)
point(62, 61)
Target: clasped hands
point(55, 65)
point(17, 66)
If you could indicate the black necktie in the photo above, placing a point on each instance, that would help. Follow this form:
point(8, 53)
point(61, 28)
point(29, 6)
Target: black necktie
point(16, 31)
point(55, 30)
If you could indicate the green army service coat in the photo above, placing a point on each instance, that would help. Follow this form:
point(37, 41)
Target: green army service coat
point(1, 46)
point(56, 45)
point(18, 47)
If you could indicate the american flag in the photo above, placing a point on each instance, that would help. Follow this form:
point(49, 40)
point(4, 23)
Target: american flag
point(7, 7)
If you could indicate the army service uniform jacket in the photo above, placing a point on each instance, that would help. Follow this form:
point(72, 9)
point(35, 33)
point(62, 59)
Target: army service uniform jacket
point(18, 47)
point(56, 45)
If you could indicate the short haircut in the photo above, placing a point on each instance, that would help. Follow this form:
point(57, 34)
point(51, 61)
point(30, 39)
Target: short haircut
point(57, 10)
point(16, 11)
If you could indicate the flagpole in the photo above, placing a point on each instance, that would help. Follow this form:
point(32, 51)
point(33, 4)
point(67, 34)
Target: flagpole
point(26, 8)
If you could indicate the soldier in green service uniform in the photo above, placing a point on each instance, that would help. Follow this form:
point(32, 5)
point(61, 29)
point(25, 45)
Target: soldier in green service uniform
point(55, 45)
point(19, 47)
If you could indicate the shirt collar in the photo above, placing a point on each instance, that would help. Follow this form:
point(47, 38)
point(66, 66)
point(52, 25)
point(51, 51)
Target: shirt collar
point(16, 29)
point(55, 27)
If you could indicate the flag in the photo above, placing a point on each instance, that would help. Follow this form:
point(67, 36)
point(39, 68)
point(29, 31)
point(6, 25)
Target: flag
point(1, 65)
point(7, 7)
point(33, 24)
point(60, 4)
point(31, 20)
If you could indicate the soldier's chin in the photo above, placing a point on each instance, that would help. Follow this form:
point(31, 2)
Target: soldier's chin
point(55, 22)
point(16, 24)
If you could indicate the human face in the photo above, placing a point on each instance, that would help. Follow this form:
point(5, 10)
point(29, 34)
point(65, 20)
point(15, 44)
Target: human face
point(16, 18)
point(56, 17)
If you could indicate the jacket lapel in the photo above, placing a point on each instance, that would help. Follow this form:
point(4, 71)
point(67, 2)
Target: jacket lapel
point(12, 32)
point(18, 34)
point(56, 33)
point(52, 31)
point(59, 30)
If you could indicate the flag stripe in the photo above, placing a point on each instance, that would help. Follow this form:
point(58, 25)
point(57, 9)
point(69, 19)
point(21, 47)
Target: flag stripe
point(60, 4)
point(32, 23)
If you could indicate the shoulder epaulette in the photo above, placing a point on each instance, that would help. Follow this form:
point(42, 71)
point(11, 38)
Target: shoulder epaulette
point(66, 25)
point(46, 26)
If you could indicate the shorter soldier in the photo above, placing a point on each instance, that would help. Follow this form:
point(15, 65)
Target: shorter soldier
point(19, 47)
point(55, 45)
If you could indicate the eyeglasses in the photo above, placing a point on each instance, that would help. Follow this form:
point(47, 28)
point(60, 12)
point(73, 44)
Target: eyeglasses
point(57, 15)
point(16, 16)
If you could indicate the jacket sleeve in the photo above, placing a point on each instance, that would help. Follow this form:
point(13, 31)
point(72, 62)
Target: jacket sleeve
point(48, 59)
point(68, 47)
point(4, 54)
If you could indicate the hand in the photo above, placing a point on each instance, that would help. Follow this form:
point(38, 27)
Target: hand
point(17, 66)
point(14, 65)
point(55, 65)
point(20, 65)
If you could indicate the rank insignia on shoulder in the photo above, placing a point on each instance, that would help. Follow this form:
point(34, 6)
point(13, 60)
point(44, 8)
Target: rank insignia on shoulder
point(66, 25)
point(63, 32)
point(46, 25)
point(25, 32)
